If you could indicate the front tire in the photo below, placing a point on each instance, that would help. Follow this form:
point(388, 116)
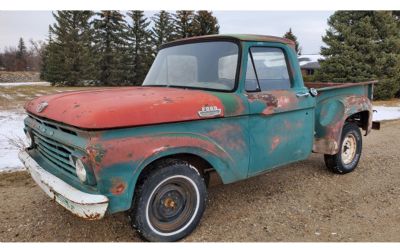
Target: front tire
point(346, 160)
point(169, 202)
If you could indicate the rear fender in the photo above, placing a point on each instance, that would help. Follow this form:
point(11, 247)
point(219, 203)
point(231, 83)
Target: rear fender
point(331, 115)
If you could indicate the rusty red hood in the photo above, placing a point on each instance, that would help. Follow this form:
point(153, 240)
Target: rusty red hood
point(125, 106)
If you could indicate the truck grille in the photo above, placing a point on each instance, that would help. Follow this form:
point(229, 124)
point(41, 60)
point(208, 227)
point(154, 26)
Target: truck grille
point(55, 152)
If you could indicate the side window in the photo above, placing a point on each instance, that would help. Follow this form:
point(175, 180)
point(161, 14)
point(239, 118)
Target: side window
point(271, 69)
point(251, 83)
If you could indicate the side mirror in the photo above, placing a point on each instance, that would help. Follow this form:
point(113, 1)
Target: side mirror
point(313, 92)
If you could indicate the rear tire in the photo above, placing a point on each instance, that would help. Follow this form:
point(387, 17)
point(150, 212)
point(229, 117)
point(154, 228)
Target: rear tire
point(169, 202)
point(346, 160)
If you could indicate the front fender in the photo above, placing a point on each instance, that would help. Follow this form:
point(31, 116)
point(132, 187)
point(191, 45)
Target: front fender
point(123, 159)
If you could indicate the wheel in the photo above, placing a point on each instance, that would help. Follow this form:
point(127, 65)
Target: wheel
point(346, 160)
point(170, 202)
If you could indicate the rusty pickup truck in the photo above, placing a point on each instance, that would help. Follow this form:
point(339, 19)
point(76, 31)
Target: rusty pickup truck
point(232, 106)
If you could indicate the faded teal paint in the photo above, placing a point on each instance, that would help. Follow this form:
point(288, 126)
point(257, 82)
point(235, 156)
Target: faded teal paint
point(259, 131)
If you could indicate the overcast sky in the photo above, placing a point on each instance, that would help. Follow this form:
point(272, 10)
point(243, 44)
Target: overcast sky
point(308, 26)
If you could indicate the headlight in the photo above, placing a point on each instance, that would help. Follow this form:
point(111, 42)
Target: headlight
point(28, 139)
point(80, 170)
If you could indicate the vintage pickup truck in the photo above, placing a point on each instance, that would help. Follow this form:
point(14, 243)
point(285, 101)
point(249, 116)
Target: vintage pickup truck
point(234, 106)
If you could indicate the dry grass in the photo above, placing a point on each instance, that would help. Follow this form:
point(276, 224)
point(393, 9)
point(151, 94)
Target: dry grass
point(19, 76)
point(14, 97)
point(388, 103)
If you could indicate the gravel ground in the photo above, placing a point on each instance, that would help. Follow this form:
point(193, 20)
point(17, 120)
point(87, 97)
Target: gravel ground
point(301, 202)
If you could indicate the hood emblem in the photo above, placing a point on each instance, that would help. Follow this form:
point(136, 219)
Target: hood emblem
point(209, 111)
point(41, 106)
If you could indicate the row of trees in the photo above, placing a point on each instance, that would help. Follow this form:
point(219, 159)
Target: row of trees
point(113, 48)
point(22, 57)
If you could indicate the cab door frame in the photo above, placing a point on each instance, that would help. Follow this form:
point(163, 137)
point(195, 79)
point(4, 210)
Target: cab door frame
point(281, 122)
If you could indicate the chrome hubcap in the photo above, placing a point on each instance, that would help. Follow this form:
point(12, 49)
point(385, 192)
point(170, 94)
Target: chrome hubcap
point(349, 148)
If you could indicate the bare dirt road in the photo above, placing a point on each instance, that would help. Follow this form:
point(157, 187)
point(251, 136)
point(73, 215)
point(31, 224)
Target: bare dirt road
point(301, 202)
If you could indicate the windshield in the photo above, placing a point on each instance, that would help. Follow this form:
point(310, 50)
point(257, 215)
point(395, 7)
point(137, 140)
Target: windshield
point(209, 65)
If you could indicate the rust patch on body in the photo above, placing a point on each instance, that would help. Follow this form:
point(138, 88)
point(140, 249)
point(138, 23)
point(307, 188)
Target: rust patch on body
point(94, 216)
point(117, 186)
point(126, 149)
point(268, 99)
point(276, 140)
point(230, 136)
point(275, 101)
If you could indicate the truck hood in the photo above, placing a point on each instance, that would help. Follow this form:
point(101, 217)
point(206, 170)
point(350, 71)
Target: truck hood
point(126, 106)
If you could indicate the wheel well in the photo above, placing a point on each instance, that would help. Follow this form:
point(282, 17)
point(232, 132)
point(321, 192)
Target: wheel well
point(203, 166)
point(360, 118)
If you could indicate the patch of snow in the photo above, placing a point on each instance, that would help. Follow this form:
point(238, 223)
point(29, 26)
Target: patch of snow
point(11, 132)
point(21, 95)
point(7, 96)
point(14, 84)
point(386, 113)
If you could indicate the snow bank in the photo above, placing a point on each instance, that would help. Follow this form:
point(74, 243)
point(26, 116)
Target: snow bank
point(386, 113)
point(11, 131)
point(14, 84)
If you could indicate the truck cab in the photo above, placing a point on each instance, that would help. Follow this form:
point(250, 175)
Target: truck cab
point(233, 105)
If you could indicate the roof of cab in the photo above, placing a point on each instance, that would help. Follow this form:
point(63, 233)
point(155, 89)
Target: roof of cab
point(239, 37)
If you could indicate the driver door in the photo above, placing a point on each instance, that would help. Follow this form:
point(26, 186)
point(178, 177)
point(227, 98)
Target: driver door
point(281, 110)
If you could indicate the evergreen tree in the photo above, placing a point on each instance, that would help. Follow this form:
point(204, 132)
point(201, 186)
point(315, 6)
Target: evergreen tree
point(289, 35)
point(21, 55)
point(140, 47)
point(183, 20)
point(163, 29)
point(50, 69)
point(204, 23)
point(363, 45)
point(110, 47)
point(68, 53)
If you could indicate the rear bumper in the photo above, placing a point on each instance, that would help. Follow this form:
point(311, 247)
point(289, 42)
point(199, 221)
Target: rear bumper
point(85, 205)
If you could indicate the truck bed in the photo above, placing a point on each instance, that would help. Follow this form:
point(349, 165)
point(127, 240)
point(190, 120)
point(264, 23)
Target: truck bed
point(335, 104)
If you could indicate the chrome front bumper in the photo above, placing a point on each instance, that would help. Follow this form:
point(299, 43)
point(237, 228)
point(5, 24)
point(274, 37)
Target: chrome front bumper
point(85, 205)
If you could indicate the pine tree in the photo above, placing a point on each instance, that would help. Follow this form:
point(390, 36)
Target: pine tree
point(163, 28)
point(21, 55)
point(204, 23)
point(140, 47)
point(110, 47)
point(183, 20)
point(363, 45)
point(289, 35)
point(68, 53)
point(49, 70)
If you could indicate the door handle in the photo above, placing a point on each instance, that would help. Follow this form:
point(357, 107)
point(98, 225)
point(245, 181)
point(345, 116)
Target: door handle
point(302, 94)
